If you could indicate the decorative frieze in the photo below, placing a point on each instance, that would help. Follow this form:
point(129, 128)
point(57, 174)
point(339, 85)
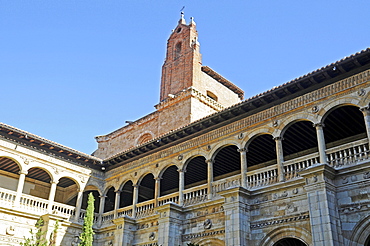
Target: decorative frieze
point(191, 236)
point(283, 220)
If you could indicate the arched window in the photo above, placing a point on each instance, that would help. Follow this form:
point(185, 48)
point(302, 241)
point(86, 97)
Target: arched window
point(212, 95)
point(144, 138)
point(177, 50)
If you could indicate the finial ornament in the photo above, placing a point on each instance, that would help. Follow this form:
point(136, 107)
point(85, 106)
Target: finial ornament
point(182, 19)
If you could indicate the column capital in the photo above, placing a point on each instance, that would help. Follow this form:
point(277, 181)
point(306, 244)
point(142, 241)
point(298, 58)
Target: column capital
point(135, 186)
point(118, 191)
point(54, 182)
point(181, 170)
point(278, 138)
point(245, 150)
point(157, 179)
point(80, 190)
point(318, 125)
point(23, 172)
point(209, 161)
point(365, 110)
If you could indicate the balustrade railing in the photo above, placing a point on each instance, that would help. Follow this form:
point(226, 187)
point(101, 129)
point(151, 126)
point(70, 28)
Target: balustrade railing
point(226, 183)
point(174, 197)
point(107, 217)
point(126, 211)
point(195, 195)
point(144, 209)
point(33, 204)
point(348, 154)
point(292, 167)
point(63, 209)
point(7, 198)
point(262, 177)
point(82, 216)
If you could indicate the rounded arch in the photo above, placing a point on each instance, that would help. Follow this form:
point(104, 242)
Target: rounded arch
point(41, 179)
point(335, 105)
point(169, 180)
point(144, 137)
point(9, 172)
point(343, 123)
point(254, 133)
point(282, 232)
point(66, 189)
point(93, 185)
point(289, 241)
point(261, 151)
point(361, 233)
point(293, 120)
point(146, 187)
point(43, 168)
point(63, 181)
point(219, 146)
point(299, 139)
point(195, 171)
point(110, 199)
point(85, 195)
point(211, 242)
point(226, 162)
point(127, 194)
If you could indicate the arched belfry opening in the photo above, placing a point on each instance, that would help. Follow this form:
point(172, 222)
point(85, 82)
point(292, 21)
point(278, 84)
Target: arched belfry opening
point(178, 50)
point(289, 242)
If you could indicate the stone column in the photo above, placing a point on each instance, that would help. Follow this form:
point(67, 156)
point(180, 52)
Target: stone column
point(322, 205)
point(280, 158)
point(135, 200)
point(124, 233)
point(237, 216)
point(116, 202)
point(366, 112)
point(157, 190)
point(101, 209)
point(209, 178)
point(53, 189)
point(78, 204)
point(181, 185)
point(321, 142)
point(243, 167)
point(22, 177)
point(169, 224)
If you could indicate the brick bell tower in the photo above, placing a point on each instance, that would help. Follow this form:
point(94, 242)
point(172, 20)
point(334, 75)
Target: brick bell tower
point(183, 60)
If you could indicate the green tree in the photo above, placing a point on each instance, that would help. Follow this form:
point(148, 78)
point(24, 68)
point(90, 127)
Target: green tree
point(37, 238)
point(53, 234)
point(87, 234)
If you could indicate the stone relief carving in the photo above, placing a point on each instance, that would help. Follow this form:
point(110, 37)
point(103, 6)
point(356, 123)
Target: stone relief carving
point(10, 230)
point(207, 224)
point(152, 236)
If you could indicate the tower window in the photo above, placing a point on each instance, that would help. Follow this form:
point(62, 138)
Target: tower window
point(177, 50)
point(211, 95)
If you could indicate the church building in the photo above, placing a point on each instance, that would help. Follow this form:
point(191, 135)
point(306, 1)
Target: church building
point(287, 167)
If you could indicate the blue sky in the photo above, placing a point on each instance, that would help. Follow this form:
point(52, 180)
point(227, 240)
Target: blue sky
point(72, 70)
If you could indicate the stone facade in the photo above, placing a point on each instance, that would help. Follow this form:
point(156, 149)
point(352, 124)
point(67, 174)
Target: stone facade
point(287, 167)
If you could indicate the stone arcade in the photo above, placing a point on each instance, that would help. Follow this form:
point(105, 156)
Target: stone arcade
point(289, 166)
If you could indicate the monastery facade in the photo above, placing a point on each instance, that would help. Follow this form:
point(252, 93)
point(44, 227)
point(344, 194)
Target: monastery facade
point(289, 166)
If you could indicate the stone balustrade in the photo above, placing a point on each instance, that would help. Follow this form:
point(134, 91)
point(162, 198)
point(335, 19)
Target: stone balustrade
point(174, 197)
point(195, 195)
point(348, 154)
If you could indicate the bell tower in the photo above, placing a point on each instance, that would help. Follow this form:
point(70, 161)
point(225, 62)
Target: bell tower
point(183, 61)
